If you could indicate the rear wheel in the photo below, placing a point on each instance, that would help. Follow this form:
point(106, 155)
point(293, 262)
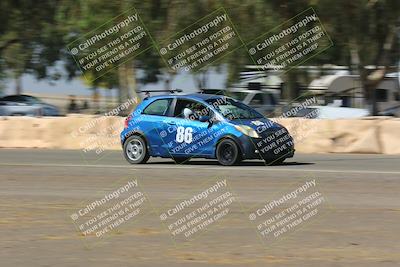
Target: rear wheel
point(228, 153)
point(135, 150)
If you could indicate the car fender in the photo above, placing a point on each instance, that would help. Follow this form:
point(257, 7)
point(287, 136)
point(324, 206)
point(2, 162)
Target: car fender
point(232, 137)
point(135, 132)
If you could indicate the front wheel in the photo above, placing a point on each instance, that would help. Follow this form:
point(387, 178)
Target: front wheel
point(135, 150)
point(228, 153)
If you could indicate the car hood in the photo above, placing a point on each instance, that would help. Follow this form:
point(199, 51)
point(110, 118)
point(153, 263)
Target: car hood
point(258, 124)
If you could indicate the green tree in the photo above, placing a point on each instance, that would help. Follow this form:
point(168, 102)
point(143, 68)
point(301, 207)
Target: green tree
point(365, 33)
point(29, 42)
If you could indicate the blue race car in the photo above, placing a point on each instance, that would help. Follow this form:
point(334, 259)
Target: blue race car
point(202, 126)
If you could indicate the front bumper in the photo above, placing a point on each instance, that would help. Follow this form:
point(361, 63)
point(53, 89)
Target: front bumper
point(272, 145)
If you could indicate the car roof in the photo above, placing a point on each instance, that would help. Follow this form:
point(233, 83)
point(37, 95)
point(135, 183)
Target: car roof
point(20, 95)
point(189, 96)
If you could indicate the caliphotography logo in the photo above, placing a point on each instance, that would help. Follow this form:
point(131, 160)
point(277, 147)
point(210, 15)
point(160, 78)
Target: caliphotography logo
point(197, 213)
point(291, 43)
point(100, 134)
point(201, 43)
point(290, 211)
point(115, 210)
point(111, 44)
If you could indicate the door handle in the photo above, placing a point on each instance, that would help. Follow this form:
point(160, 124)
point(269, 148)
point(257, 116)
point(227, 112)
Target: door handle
point(171, 122)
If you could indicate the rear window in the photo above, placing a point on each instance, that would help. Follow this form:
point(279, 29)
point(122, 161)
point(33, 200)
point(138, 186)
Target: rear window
point(158, 107)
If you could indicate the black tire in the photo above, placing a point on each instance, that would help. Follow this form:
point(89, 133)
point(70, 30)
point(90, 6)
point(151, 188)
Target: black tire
point(135, 150)
point(179, 160)
point(228, 153)
point(272, 162)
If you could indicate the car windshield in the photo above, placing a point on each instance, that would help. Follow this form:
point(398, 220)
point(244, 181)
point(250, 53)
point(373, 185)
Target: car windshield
point(233, 110)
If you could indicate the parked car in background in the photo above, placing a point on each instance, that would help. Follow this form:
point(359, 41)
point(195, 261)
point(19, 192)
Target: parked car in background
point(256, 95)
point(26, 105)
point(264, 101)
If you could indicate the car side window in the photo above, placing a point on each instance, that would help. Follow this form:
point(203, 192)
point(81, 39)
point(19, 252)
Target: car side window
point(189, 109)
point(31, 100)
point(158, 107)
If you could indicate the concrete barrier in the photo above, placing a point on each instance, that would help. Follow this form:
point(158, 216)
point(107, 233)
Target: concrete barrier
point(369, 135)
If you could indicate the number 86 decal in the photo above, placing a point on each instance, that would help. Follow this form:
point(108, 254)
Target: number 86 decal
point(184, 134)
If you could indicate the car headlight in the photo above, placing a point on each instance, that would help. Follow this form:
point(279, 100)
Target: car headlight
point(247, 130)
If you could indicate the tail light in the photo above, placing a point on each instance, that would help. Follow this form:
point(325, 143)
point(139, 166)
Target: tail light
point(126, 124)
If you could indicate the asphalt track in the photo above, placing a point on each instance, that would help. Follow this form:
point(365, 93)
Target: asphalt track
point(357, 225)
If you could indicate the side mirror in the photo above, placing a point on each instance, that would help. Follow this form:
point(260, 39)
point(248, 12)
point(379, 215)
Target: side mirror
point(204, 118)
